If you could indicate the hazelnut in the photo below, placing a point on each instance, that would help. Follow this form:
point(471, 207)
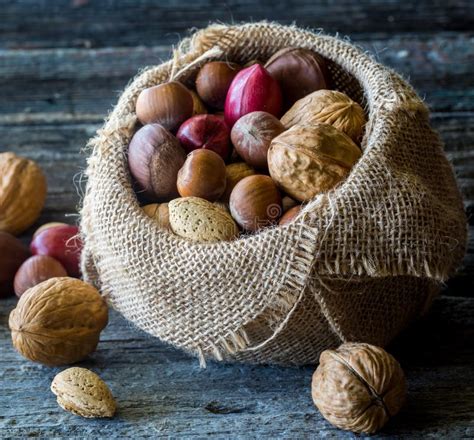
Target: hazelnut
point(255, 203)
point(202, 175)
point(198, 106)
point(213, 82)
point(358, 387)
point(58, 321)
point(35, 270)
point(158, 212)
point(199, 220)
point(330, 107)
point(253, 89)
point(290, 215)
point(61, 243)
point(298, 71)
point(22, 193)
point(234, 173)
point(307, 160)
point(168, 104)
point(251, 136)
point(205, 131)
point(154, 158)
point(12, 255)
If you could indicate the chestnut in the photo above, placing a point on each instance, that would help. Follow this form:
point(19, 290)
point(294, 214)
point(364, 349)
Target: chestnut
point(35, 270)
point(168, 104)
point(198, 106)
point(202, 175)
point(255, 203)
point(213, 82)
point(253, 89)
point(205, 131)
point(251, 136)
point(154, 158)
point(63, 244)
point(235, 172)
point(299, 72)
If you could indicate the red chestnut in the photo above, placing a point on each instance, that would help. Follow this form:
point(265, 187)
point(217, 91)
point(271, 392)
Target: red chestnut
point(205, 131)
point(253, 89)
point(61, 243)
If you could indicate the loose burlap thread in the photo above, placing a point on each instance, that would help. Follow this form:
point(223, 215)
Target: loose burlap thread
point(359, 264)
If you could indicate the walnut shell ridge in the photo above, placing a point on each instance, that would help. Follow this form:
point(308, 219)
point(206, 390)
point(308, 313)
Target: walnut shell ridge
point(329, 107)
point(358, 387)
point(58, 321)
point(83, 393)
point(22, 193)
point(307, 160)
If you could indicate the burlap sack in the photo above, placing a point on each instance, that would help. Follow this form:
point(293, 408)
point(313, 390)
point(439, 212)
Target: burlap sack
point(364, 261)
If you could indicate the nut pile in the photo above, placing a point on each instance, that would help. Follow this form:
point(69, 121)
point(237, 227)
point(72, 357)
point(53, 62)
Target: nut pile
point(232, 152)
point(242, 152)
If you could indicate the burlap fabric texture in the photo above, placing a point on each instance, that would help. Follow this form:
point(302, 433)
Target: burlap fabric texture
point(361, 262)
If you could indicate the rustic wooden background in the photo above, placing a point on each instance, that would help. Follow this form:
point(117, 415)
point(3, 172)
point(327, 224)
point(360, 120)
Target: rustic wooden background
point(63, 64)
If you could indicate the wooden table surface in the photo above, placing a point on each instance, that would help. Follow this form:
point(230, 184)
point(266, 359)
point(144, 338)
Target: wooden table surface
point(63, 64)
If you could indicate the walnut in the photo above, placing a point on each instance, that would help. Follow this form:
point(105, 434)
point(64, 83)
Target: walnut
point(307, 160)
point(83, 393)
point(330, 107)
point(358, 387)
point(22, 193)
point(58, 321)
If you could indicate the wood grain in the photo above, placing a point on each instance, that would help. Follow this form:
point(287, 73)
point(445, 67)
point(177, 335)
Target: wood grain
point(87, 23)
point(162, 392)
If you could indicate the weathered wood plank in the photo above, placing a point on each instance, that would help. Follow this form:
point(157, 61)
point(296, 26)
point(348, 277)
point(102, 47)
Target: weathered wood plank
point(83, 23)
point(162, 392)
point(86, 83)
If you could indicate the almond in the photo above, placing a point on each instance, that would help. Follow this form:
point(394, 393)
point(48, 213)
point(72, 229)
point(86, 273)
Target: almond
point(199, 220)
point(83, 393)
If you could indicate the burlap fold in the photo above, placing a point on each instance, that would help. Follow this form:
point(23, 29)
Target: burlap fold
point(364, 261)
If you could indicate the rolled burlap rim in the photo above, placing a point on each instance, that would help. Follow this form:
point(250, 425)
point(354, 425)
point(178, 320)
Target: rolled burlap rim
point(361, 262)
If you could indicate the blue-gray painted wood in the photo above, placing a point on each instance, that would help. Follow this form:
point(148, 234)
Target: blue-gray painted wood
point(162, 392)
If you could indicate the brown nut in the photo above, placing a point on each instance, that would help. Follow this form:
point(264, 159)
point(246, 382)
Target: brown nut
point(298, 71)
point(168, 104)
point(155, 157)
point(160, 213)
point(22, 193)
point(329, 107)
point(12, 255)
point(213, 82)
point(198, 106)
point(255, 203)
point(290, 215)
point(58, 321)
point(251, 136)
point(307, 160)
point(358, 387)
point(202, 221)
point(35, 270)
point(234, 173)
point(202, 175)
point(287, 203)
point(83, 393)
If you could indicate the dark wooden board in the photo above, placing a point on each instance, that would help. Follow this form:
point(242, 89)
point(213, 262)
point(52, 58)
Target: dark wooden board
point(161, 392)
point(81, 83)
point(95, 23)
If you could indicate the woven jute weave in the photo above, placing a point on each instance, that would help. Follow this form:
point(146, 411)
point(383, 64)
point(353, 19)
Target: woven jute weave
point(361, 263)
